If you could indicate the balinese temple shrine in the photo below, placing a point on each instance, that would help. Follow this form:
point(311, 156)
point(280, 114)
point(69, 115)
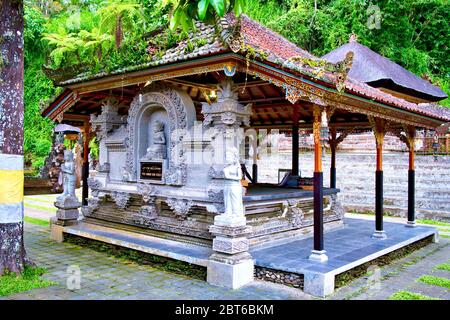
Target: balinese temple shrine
point(175, 177)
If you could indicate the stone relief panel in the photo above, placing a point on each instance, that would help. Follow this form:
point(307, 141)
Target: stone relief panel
point(181, 116)
point(121, 199)
point(180, 207)
point(293, 212)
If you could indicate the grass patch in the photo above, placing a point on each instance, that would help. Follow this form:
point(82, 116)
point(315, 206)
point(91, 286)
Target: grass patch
point(143, 258)
point(346, 277)
point(433, 222)
point(407, 295)
point(50, 200)
point(30, 279)
point(435, 281)
point(443, 266)
point(37, 221)
point(42, 208)
point(446, 236)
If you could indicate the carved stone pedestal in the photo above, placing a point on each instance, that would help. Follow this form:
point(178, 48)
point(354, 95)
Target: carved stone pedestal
point(231, 265)
point(67, 212)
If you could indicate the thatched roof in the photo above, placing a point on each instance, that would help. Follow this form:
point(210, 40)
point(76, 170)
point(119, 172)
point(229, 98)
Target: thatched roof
point(372, 68)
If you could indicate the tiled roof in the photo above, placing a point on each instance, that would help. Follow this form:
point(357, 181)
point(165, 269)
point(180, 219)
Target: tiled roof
point(240, 34)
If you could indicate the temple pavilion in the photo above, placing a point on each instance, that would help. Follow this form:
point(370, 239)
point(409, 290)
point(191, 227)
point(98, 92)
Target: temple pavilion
point(236, 76)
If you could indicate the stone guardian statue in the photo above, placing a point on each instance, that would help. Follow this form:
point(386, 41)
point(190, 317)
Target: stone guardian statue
point(67, 203)
point(69, 178)
point(232, 191)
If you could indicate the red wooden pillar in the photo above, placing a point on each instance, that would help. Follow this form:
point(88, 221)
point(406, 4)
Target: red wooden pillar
point(318, 253)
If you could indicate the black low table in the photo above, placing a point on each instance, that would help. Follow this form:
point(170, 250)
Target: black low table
point(273, 192)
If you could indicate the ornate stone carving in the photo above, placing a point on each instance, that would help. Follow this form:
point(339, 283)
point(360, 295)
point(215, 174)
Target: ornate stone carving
point(180, 207)
point(148, 192)
point(172, 102)
point(108, 120)
point(94, 184)
point(293, 213)
point(216, 172)
point(227, 111)
point(230, 245)
point(104, 168)
point(336, 207)
point(121, 199)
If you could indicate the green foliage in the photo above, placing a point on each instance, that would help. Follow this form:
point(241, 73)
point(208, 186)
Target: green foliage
point(443, 266)
point(407, 295)
point(435, 281)
point(433, 222)
point(38, 130)
point(185, 12)
point(94, 147)
point(30, 279)
point(39, 222)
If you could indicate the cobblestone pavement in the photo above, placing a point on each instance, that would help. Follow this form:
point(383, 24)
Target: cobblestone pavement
point(402, 275)
point(105, 277)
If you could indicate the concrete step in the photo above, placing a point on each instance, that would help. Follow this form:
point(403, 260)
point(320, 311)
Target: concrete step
point(161, 247)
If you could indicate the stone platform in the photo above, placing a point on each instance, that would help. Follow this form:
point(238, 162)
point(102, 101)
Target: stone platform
point(347, 248)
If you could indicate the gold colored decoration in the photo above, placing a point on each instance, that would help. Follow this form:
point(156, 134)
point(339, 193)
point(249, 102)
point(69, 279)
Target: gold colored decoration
point(316, 124)
point(380, 128)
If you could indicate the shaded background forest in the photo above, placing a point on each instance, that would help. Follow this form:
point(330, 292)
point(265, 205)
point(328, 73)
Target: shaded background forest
point(96, 35)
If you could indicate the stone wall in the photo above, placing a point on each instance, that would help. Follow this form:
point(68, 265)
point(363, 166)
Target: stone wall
point(356, 179)
point(287, 278)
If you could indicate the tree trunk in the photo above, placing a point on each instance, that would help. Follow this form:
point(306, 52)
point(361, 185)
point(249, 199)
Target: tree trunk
point(12, 250)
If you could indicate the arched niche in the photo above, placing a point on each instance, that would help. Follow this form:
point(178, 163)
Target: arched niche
point(177, 110)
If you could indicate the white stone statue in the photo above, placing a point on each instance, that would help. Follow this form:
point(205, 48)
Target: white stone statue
point(233, 190)
point(69, 178)
point(158, 149)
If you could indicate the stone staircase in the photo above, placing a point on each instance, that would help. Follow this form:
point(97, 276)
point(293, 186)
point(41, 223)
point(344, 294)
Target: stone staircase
point(356, 179)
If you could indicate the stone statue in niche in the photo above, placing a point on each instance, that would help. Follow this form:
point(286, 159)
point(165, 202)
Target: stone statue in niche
point(232, 191)
point(69, 178)
point(158, 149)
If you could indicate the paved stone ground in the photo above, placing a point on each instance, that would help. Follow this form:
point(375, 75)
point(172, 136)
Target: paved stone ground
point(105, 277)
point(402, 275)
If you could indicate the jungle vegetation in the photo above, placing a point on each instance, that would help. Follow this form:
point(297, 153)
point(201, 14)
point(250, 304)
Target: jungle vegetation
point(97, 35)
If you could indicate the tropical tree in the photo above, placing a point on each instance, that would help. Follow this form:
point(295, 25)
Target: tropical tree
point(96, 41)
point(67, 45)
point(12, 249)
point(118, 16)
